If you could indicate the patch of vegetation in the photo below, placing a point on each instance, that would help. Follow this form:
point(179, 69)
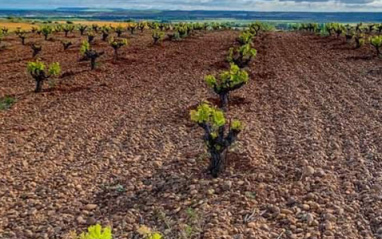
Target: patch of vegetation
point(116, 44)
point(228, 81)
point(157, 36)
point(215, 126)
point(40, 74)
point(46, 31)
point(241, 56)
point(6, 102)
point(89, 54)
point(376, 42)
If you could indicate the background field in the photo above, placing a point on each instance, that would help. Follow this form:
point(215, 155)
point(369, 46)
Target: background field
point(120, 140)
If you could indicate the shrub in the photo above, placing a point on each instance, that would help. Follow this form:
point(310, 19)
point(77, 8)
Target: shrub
point(116, 44)
point(379, 27)
point(58, 28)
point(34, 29)
point(105, 32)
point(7, 102)
point(4, 30)
point(66, 44)
point(141, 26)
point(95, 28)
point(35, 49)
point(182, 31)
point(228, 81)
point(359, 27)
point(241, 56)
point(132, 27)
point(245, 38)
point(153, 25)
point(119, 30)
point(349, 36)
point(338, 29)
point(46, 31)
point(22, 35)
point(94, 232)
point(91, 37)
point(82, 29)
point(359, 40)
point(370, 27)
point(213, 122)
point(38, 72)
point(173, 36)
point(157, 36)
point(90, 54)
point(255, 28)
point(376, 42)
point(68, 28)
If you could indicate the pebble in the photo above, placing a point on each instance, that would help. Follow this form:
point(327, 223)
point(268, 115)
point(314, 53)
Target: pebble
point(227, 185)
point(305, 206)
point(90, 207)
point(252, 225)
point(264, 227)
point(308, 171)
point(81, 220)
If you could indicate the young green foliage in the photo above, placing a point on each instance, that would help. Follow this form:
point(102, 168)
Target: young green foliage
point(157, 36)
point(245, 38)
point(132, 27)
point(38, 72)
point(6, 102)
point(68, 28)
point(82, 29)
point(213, 122)
point(22, 35)
point(116, 44)
point(95, 28)
point(95, 232)
point(105, 32)
point(34, 29)
point(89, 54)
point(4, 30)
point(91, 37)
point(376, 42)
point(241, 56)
point(141, 26)
point(228, 81)
point(119, 30)
point(46, 31)
point(359, 40)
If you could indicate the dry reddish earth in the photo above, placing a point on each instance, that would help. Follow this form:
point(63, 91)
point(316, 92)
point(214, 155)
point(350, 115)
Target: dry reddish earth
point(307, 165)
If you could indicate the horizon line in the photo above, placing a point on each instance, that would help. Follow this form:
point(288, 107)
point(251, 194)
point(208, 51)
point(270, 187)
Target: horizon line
point(181, 10)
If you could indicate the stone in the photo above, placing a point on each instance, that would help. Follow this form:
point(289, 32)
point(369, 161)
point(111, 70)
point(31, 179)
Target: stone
point(264, 227)
point(90, 207)
point(308, 171)
point(252, 225)
point(227, 185)
point(81, 220)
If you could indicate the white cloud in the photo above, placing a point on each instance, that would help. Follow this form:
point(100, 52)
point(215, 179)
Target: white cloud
point(250, 5)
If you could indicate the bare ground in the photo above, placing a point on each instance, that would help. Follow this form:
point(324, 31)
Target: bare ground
point(307, 164)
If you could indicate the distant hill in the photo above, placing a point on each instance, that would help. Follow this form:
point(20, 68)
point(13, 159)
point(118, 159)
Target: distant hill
point(85, 9)
point(119, 14)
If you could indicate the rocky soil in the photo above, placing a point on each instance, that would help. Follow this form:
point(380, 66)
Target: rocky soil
point(116, 146)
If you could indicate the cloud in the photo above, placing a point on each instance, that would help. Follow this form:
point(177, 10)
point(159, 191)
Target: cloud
point(250, 5)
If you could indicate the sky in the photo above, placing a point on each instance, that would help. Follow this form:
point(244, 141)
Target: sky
point(247, 5)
